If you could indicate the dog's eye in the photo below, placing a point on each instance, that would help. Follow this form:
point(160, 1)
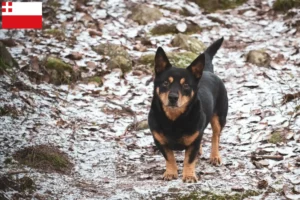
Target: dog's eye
point(185, 86)
point(165, 83)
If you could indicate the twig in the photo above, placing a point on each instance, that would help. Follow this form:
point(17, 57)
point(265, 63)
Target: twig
point(18, 172)
point(260, 157)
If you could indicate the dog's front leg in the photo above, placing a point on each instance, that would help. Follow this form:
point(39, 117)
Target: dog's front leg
point(171, 166)
point(189, 163)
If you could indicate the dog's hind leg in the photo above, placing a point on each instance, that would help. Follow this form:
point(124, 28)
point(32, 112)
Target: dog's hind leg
point(215, 157)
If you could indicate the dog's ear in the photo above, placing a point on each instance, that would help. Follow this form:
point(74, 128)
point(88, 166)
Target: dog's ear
point(161, 61)
point(197, 66)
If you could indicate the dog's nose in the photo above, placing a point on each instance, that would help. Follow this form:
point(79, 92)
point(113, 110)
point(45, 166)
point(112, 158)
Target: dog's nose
point(173, 97)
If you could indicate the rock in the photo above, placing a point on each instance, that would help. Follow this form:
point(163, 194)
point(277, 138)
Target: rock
point(238, 189)
point(96, 80)
point(162, 29)
point(262, 184)
point(119, 57)
point(74, 56)
point(188, 43)
point(297, 189)
point(120, 62)
point(285, 5)
point(60, 72)
point(181, 27)
point(141, 125)
point(259, 58)
point(7, 62)
point(178, 59)
point(109, 49)
point(213, 5)
point(144, 14)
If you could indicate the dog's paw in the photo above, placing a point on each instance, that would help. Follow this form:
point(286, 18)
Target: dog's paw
point(215, 160)
point(168, 176)
point(189, 179)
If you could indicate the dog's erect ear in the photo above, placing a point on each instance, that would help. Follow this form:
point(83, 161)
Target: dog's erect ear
point(161, 61)
point(197, 66)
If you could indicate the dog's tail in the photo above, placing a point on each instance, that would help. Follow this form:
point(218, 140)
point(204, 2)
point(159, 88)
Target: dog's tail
point(210, 52)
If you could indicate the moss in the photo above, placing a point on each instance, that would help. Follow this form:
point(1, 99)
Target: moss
point(162, 29)
point(276, 138)
point(120, 62)
point(96, 79)
point(144, 14)
point(57, 33)
point(59, 71)
point(26, 183)
point(178, 59)
point(206, 195)
point(7, 62)
point(119, 57)
point(297, 108)
point(45, 158)
point(188, 43)
point(7, 161)
point(213, 5)
point(285, 5)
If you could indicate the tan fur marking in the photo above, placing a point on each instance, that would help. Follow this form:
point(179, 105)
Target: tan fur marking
point(200, 150)
point(163, 96)
point(188, 140)
point(171, 166)
point(160, 138)
point(173, 113)
point(188, 174)
point(171, 79)
point(215, 157)
point(182, 81)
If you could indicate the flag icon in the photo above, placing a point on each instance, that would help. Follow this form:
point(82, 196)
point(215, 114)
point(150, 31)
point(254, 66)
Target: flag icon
point(21, 15)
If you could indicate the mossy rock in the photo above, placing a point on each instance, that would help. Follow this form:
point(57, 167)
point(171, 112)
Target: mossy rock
point(26, 184)
point(210, 195)
point(188, 43)
point(44, 158)
point(111, 50)
point(57, 33)
point(276, 138)
point(120, 62)
point(119, 57)
point(59, 71)
point(285, 5)
point(95, 79)
point(178, 59)
point(213, 5)
point(162, 29)
point(259, 58)
point(7, 62)
point(144, 14)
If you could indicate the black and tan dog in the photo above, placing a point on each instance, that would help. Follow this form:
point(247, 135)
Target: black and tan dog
point(184, 102)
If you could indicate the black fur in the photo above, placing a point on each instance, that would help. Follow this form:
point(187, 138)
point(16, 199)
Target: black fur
point(210, 97)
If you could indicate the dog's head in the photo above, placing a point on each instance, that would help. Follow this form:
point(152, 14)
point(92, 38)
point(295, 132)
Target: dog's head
point(176, 87)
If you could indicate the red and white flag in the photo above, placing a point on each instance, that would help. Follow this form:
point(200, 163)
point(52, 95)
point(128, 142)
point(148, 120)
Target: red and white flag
point(22, 15)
